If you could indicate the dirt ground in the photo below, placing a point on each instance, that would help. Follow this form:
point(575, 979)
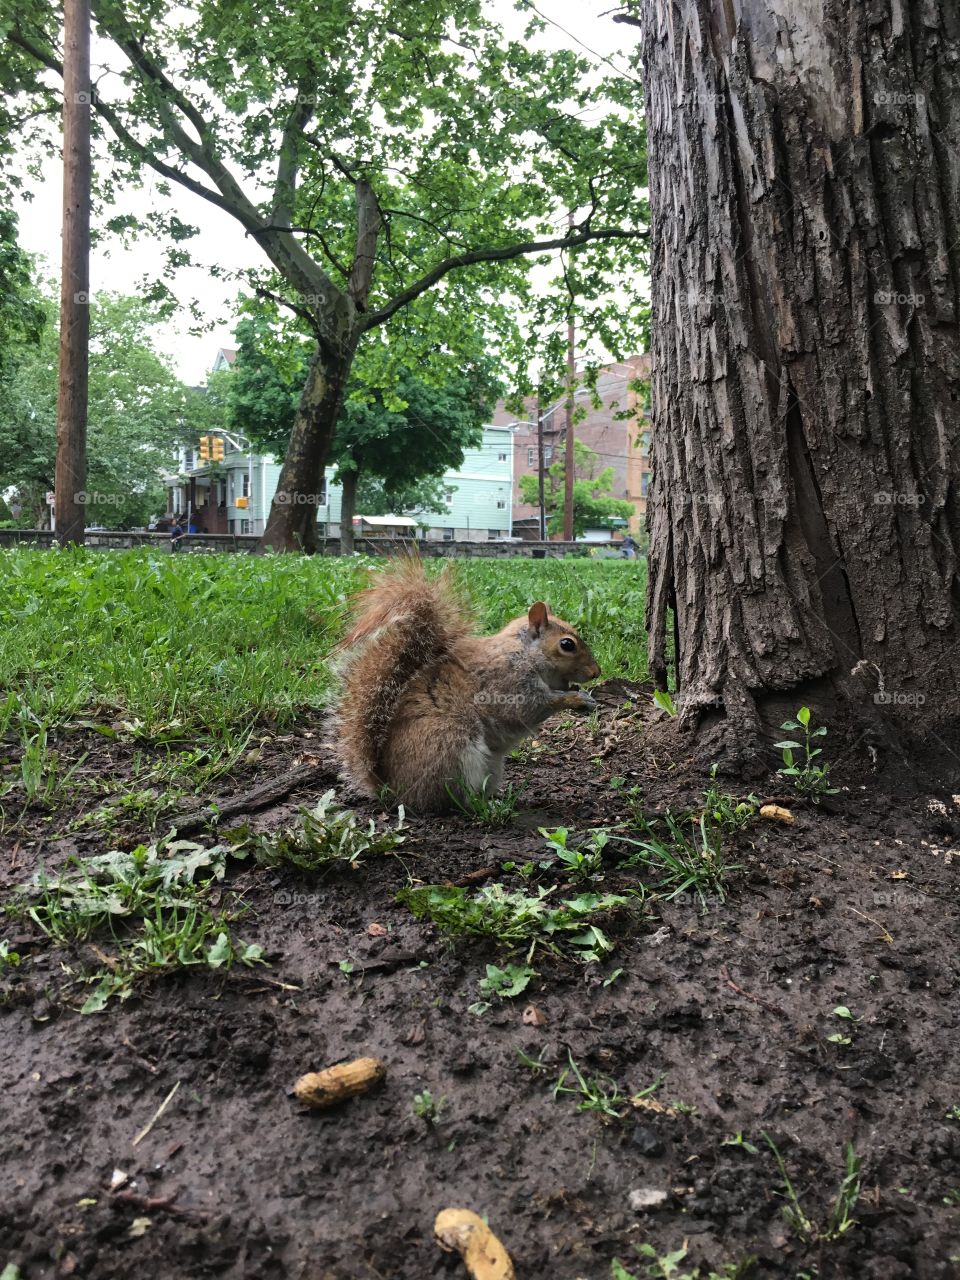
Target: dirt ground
point(855, 905)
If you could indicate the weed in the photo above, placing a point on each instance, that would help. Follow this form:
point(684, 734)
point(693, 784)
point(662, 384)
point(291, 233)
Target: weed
point(738, 1140)
point(155, 897)
point(487, 808)
point(953, 1113)
point(428, 1108)
point(582, 864)
point(8, 959)
point(536, 1065)
point(687, 853)
point(726, 811)
point(503, 984)
point(326, 835)
point(840, 1220)
point(667, 1267)
point(513, 918)
point(596, 1093)
point(663, 700)
point(952, 1198)
point(809, 779)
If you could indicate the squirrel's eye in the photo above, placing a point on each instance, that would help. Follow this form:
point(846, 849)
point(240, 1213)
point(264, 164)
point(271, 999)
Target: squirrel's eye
point(568, 645)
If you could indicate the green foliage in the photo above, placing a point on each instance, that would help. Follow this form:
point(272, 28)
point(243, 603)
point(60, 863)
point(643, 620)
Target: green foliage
point(840, 1220)
point(326, 835)
point(585, 863)
point(809, 779)
point(152, 903)
point(593, 507)
point(514, 917)
point(22, 313)
point(136, 413)
point(399, 439)
point(484, 807)
point(595, 1093)
point(502, 984)
point(471, 141)
point(686, 851)
point(428, 1108)
point(667, 1267)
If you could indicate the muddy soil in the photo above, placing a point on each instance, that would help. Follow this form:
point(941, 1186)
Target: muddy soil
point(855, 905)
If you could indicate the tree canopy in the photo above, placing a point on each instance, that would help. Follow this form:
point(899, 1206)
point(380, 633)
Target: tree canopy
point(382, 157)
point(593, 506)
point(137, 413)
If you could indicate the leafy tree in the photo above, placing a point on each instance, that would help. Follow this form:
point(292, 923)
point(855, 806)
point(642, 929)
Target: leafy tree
point(137, 407)
point(593, 507)
point(385, 158)
point(398, 444)
point(22, 314)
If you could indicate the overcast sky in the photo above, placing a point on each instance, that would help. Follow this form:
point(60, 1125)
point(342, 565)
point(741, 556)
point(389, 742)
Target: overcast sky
point(221, 239)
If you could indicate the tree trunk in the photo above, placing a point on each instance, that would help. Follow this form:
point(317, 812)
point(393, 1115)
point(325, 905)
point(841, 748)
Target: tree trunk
point(293, 516)
point(70, 480)
point(805, 199)
point(348, 509)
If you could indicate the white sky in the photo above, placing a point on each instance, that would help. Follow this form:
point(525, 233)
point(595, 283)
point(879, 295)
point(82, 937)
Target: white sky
point(221, 239)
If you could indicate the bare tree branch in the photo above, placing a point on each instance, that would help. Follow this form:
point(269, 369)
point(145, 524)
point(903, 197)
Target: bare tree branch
point(505, 254)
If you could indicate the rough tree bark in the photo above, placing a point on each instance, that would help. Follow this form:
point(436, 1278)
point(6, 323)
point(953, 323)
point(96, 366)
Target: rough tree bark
point(805, 204)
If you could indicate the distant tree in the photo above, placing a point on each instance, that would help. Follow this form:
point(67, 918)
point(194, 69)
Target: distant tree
point(593, 506)
point(22, 314)
point(385, 158)
point(137, 407)
point(392, 447)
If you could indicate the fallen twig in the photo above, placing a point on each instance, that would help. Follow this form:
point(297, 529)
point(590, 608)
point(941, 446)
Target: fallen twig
point(765, 1004)
point(157, 1114)
point(258, 798)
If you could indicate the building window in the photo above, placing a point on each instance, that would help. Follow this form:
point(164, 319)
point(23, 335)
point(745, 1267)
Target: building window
point(644, 483)
point(493, 533)
point(531, 453)
point(188, 459)
point(223, 493)
point(501, 504)
point(501, 457)
point(245, 526)
point(246, 484)
point(548, 453)
point(448, 535)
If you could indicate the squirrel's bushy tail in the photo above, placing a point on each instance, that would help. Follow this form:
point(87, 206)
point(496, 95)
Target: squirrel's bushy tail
point(403, 625)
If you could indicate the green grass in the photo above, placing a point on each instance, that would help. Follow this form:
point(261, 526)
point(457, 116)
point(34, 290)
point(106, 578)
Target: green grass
point(185, 661)
point(176, 645)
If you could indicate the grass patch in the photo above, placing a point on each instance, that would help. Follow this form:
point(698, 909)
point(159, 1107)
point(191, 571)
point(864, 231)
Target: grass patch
point(327, 835)
point(514, 918)
point(149, 904)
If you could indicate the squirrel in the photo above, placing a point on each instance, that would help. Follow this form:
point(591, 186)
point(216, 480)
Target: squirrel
point(427, 708)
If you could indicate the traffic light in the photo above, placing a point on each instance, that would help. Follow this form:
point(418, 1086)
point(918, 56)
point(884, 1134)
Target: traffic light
point(217, 448)
point(205, 448)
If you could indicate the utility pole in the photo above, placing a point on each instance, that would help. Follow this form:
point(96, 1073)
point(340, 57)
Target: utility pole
point(571, 381)
point(71, 467)
point(538, 415)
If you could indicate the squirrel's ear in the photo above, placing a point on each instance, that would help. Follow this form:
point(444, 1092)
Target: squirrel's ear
point(537, 618)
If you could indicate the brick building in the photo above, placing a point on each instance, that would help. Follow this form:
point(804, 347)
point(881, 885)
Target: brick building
point(619, 442)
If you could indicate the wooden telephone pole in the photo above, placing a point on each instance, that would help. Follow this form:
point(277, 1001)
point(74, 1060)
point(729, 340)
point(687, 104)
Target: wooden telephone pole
point(571, 381)
point(71, 468)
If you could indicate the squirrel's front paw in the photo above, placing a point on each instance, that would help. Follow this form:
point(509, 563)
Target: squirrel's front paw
point(580, 700)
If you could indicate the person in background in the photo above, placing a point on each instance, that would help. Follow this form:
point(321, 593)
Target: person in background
point(628, 548)
point(176, 533)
